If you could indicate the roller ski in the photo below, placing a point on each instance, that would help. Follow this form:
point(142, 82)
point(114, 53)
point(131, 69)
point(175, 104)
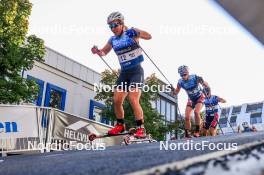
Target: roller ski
point(93, 136)
point(132, 140)
point(138, 137)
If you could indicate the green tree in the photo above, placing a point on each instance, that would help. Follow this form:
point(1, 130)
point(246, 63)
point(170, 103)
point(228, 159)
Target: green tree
point(17, 52)
point(154, 123)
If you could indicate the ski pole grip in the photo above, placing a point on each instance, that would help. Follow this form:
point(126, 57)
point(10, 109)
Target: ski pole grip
point(172, 88)
point(94, 49)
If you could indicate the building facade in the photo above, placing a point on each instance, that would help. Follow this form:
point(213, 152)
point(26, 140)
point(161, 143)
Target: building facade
point(252, 113)
point(166, 105)
point(66, 85)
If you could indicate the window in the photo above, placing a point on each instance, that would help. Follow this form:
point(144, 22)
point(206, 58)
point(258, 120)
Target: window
point(55, 97)
point(168, 111)
point(163, 108)
point(97, 114)
point(256, 118)
point(173, 112)
point(254, 107)
point(38, 98)
point(223, 122)
point(105, 120)
point(225, 111)
point(158, 105)
point(95, 110)
point(233, 120)
point(236, 110)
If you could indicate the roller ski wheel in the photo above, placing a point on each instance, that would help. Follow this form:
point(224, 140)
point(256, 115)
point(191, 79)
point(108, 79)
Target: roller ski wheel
point(127, 141)
point(92, 137)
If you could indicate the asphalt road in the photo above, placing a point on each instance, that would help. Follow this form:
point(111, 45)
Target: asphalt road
point(114, 160)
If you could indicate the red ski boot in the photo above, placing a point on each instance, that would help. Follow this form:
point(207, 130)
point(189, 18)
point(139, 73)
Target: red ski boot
point(140, 133)
point(119, 128)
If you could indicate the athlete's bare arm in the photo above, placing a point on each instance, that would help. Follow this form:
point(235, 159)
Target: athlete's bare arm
point(204, 84)
point(143, 34)
point(177, 90)
point(221, 100)
point(105, 50)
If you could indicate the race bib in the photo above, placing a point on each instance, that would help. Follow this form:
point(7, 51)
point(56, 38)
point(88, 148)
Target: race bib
point(193, 92)
point(129, 55)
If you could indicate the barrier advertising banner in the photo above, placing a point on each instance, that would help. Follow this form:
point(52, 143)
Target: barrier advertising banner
point(72, 128)
point(19, 122)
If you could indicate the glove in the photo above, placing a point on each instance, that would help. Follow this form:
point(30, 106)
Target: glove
point(172, 88)
point(95, 50)
point(132, 33)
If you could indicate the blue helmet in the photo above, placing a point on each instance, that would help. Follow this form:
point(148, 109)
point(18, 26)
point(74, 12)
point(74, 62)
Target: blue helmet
point(183, 70)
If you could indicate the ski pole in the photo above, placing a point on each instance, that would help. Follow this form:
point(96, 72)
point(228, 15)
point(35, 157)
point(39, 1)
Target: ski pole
point(158, 69)
point(153, 63)
point(106, 63)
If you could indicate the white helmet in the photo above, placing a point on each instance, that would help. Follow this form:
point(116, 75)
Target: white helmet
point(115, 16)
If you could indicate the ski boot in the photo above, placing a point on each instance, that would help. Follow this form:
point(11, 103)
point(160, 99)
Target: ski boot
point(119, 128)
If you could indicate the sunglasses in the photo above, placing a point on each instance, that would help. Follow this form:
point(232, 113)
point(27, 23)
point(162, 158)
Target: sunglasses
point(183, 75)
point(114, 25)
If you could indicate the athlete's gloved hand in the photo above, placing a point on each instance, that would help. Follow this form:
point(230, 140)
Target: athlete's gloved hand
point(132, 33)
point(95, 50)
point(172, 88)
point(173, 92)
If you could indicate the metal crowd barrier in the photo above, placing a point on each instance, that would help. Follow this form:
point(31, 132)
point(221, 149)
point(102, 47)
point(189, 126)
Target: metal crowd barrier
point(16, 145)
point(39, 129)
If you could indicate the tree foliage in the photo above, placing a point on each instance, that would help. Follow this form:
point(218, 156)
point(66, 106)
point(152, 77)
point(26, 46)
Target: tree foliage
point(17, 52)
